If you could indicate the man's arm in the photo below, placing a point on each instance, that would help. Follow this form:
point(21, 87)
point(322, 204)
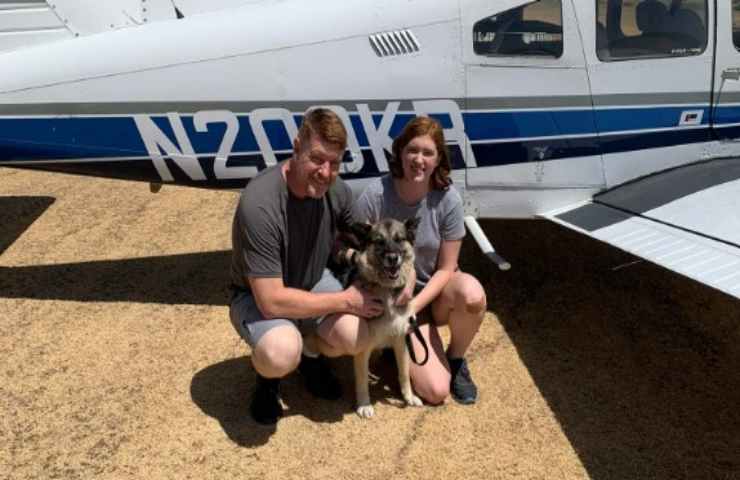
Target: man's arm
point(275, 300)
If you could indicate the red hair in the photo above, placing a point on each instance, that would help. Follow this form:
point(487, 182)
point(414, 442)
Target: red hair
point(418, 127)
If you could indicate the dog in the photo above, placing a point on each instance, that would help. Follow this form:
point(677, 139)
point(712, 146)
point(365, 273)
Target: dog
point(384, 265)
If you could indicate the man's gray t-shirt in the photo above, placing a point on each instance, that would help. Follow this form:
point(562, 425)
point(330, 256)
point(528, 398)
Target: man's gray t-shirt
point(440, 213)
point(275, 234)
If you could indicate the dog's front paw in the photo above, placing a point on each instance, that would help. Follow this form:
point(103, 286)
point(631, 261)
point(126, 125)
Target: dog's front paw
point(365, 411)
point(413, 401)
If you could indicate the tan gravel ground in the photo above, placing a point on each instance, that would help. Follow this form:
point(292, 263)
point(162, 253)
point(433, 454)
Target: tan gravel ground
point(118, 359)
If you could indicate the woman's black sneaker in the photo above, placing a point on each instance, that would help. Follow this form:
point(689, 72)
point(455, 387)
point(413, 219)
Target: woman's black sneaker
point(462, 388)
point(319, 379)
point(265, 407)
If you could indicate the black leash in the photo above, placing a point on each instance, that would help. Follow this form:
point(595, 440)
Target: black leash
point(415, 330)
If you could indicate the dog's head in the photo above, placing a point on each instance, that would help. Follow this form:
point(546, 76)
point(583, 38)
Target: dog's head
point(385, 247)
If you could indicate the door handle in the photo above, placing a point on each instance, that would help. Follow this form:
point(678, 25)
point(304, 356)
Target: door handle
point(731, 73)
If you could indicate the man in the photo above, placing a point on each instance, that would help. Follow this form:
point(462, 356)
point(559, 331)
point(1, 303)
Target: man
point(283, 234)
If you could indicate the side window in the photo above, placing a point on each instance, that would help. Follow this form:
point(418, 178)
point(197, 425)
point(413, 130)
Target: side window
point(533, 29)
point(736, 23)
point(630, 29)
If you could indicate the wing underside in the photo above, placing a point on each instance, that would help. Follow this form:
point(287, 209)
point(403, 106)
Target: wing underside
point(686, 220)
point(26, 23)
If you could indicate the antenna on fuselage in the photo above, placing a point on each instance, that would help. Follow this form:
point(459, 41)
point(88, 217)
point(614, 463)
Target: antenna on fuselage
point(178, 13)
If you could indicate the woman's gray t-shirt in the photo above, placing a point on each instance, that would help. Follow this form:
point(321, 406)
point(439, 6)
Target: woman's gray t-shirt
point(440, 214)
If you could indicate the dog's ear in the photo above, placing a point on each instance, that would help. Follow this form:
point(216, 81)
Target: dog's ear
point(411, 225)
point(351, 234)
point(361, 232)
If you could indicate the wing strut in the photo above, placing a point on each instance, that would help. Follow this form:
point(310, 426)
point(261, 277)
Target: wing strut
point(485, 245)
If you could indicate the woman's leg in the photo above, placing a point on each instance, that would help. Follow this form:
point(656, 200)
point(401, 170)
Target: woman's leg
point(432, 380)
point(461, 306)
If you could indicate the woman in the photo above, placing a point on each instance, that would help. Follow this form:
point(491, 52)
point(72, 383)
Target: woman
point(419, 186)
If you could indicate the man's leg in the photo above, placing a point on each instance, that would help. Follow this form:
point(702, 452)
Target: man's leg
point(332, 336)
point(338, 334)
point(342, 334)
point(276, 351)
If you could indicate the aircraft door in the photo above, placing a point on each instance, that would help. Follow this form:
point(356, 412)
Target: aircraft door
point(726, 118)
point(650, 68)
point(529, 117)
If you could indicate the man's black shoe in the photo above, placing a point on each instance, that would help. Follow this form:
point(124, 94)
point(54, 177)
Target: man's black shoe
point(265, 407)
point(462, 388)
point(319, 379)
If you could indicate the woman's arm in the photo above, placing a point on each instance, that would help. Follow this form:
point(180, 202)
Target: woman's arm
point(449, 252)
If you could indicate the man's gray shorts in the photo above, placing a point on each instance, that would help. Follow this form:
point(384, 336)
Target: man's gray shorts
point(252, 325)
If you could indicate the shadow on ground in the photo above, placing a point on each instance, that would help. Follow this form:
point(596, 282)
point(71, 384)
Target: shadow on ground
point(638, 364)
point(197, 278)
point(17, 214)
point(194, 278)
point(223, 391)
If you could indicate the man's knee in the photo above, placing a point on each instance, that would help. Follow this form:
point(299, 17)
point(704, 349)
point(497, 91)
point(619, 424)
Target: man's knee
point(345, 334)
point(278, 352)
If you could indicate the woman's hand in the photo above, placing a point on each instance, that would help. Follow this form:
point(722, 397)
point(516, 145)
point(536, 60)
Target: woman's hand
point(406, 295)
point(408, 292)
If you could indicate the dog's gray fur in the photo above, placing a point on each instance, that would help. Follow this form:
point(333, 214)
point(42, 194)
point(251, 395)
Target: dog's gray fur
point(381, 242)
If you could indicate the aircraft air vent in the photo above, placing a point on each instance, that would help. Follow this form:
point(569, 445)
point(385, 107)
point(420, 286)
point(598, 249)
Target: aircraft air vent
point(397, 42)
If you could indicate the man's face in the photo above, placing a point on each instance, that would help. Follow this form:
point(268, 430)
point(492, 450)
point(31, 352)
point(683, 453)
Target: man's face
point(316, 166)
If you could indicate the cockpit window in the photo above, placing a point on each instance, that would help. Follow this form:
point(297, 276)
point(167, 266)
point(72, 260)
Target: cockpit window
point(534, 29)
point(630, 29)
point(736, 23)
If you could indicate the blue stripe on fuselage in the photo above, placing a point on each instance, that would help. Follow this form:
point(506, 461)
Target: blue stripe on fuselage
point(505, 135)
point(510, 125)
point(69, 137)
point(628, 119)
point(727, 115)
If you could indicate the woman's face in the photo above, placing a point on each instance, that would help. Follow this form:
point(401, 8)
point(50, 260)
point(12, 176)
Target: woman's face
point(419, 158)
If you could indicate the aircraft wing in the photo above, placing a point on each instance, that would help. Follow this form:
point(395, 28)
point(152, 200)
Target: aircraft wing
point(686, 220)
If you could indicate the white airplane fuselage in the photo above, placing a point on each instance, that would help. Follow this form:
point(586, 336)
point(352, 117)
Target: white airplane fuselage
point(209, 100)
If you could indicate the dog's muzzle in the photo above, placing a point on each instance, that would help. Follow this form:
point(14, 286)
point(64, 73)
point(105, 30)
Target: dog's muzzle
point(392, 264)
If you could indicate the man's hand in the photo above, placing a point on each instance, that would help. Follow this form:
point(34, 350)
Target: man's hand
point(362, 303)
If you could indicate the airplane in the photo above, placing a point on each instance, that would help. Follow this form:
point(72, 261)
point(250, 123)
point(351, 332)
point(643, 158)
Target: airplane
point(619, 119)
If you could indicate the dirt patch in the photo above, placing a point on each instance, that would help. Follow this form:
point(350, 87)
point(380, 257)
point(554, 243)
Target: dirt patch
point(119, 360)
